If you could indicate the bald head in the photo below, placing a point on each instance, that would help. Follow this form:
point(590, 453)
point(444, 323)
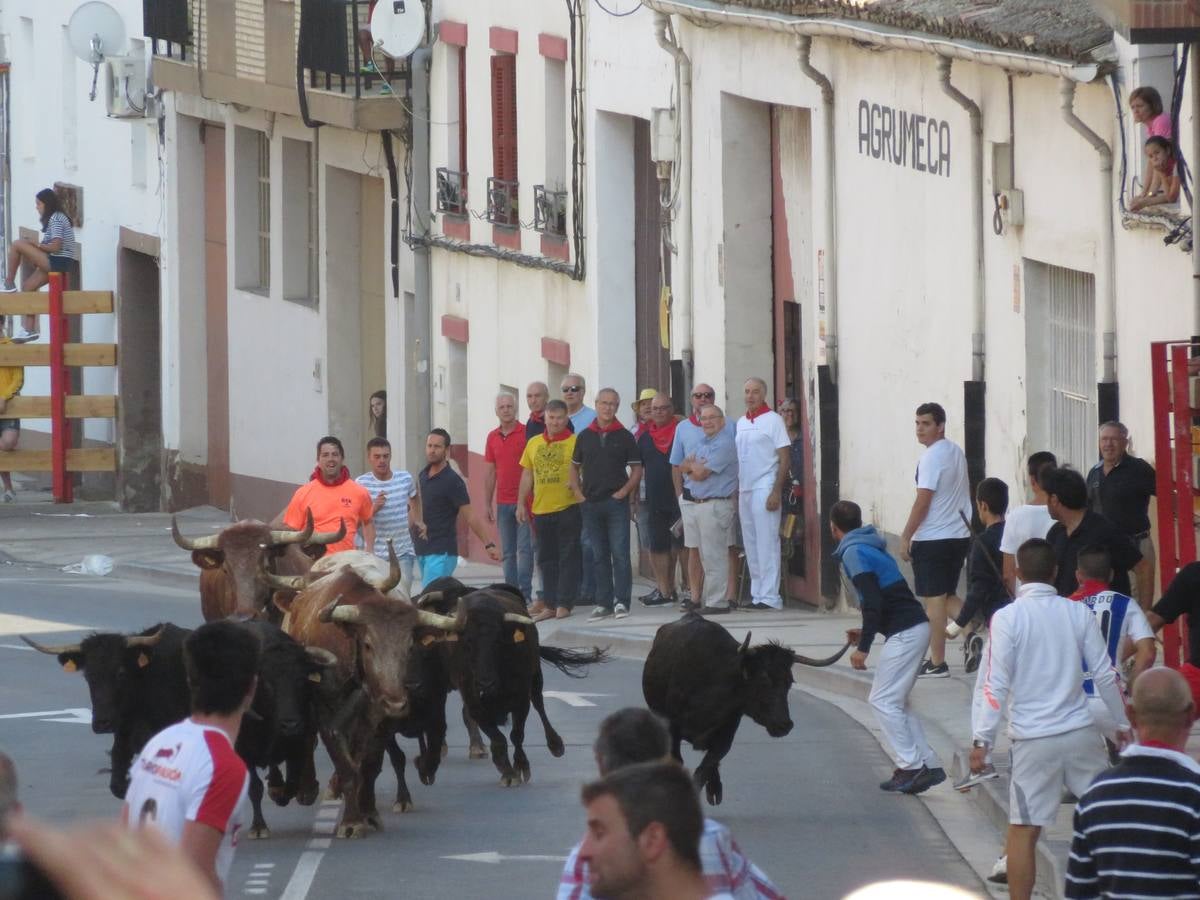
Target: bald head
point(1162, 707)
point(536, 396)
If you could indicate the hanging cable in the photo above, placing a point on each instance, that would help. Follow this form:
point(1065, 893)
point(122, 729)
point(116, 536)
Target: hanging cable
point(619, 15)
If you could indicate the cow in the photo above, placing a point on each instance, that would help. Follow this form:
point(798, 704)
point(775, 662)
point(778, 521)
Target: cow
point(230, 563)
point(370, 635)
point(702, 682)
point(137, 684)
point(496, 664)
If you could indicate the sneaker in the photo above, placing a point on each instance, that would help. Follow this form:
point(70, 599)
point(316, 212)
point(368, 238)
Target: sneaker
point(10, 497)
point(762, 607)
point(385, 88)
point(21, 336)
point(924, 780)
point(687, 595)
point(655, 598)
point(999, 873)
point(900, 778)
point(973, 651)
point(650, 596)
point(929, 670)
point(686, 604)
point(620, 611)
point(8, 288)
point(600, 612)
point(971, 779)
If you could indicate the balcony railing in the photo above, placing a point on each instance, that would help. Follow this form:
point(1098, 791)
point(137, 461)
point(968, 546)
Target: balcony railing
point(549, 211)
point(502, 208)
point(451, 191)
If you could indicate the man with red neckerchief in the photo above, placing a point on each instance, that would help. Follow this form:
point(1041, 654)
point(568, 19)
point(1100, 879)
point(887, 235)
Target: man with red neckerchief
point(763, 447)
point(334, 497)
point(661, 502)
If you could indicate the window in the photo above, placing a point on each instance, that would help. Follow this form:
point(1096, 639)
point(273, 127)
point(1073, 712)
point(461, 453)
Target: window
point(452, 178)
point(252, 210)
point(300, 248)
point(550, 198)
point(502, 203)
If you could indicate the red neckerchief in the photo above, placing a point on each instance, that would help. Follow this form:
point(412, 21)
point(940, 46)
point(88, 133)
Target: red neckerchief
point(537, 416)
point(343, 477)
point(1159, 744)
point(640, 430)
point(755, 413)
point(692, 418)
point(555, 438)
point(1089, 588)
point(614, 425)
point(663, 436)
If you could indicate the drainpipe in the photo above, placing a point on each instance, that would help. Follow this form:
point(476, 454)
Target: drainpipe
point(419, 389)
point(1108, 304)
point(1195, 55)
point(681, 292)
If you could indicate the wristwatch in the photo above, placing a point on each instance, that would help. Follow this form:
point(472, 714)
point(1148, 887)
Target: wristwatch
point(489, 545)
point(979, 745)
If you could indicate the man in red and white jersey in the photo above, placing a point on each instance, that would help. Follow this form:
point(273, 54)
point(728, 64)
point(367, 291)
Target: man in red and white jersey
point(188, 782)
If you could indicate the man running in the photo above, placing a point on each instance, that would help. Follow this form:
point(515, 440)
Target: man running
point(396, 505)
point(334, 498)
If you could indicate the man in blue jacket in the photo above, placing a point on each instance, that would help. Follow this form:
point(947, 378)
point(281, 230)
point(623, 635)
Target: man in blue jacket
point(889, 609)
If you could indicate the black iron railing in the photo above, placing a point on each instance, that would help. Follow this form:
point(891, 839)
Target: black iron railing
point(549, 211)
point(502, 208)
point(168, 24)
point(451, 191)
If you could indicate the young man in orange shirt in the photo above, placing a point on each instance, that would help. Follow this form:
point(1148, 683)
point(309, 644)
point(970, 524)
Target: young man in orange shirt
point(334, 497)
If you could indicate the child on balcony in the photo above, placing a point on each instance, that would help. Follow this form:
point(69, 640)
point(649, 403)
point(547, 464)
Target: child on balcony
point(1147, 107)
point(1162, 185)
point(55, 252)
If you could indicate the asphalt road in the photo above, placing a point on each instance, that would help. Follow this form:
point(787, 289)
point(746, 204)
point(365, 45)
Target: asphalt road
point(806, 807)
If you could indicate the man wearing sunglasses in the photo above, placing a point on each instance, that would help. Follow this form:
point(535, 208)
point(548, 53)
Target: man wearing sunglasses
point(581, 416)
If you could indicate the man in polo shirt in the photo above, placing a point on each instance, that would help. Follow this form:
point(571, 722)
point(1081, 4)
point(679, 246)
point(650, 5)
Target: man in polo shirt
point(607, 468)
point(763, 446)
point(1119, 488)
point(688, 434)
point(397, 507)
point(710, 475)
point(935, 538)
point(444, 502)
point(1076, 526)
point(580, 415)
point(501, 481)
point(334, 497)
point(661, 504)
point(546, 462)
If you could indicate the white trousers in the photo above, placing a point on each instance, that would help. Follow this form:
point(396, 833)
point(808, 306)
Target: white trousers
point(895, 676)
point(977, 700)
point(760, 535)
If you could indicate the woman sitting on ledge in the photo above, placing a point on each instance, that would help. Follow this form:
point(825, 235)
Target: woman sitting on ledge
point(55, 252)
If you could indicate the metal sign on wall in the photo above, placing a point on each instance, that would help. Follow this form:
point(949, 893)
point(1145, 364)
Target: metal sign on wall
point(908, 139)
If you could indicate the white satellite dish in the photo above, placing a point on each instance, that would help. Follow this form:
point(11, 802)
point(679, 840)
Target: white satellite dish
point(95, 32)
point(398, 26)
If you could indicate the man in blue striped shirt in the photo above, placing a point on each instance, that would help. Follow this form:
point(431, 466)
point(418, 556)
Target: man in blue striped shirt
point(397, 507)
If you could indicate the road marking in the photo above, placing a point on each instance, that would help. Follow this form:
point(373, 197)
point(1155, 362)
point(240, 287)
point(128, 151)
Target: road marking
point(327, 812)
point(571, 698)
point(11, 624)
point(320, 843)
point(264, 865)
point(493, 858)
point(71, 716)
point(324, 827)
point(302, 877)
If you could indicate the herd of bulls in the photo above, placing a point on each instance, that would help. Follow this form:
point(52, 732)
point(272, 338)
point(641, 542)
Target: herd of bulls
point(346, 656)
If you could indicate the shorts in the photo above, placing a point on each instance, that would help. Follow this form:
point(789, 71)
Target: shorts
point(937, 565)
point(10, 425)
point(1042, 766)
point(661, 539)
point(61, 263)
point(437, 565)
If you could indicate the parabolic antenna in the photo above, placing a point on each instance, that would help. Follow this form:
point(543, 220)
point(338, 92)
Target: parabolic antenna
point(398, 26)
point(96, 31)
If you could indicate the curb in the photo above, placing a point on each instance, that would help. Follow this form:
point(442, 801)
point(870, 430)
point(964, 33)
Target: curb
point(151, 575)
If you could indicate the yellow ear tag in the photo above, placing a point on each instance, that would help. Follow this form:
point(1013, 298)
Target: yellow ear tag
point(427, 640)
point(69, 666)
point(314, 677)
point(518, 636)
point(143, 660)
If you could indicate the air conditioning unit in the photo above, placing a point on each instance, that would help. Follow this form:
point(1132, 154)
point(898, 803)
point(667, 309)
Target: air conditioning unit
point(550, 212)
point(125, 93)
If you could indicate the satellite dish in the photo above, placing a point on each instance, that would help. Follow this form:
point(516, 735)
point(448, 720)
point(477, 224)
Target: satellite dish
point(96, 31)
point(398, 26)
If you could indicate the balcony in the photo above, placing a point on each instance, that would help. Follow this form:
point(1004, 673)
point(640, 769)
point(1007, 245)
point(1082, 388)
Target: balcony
point(451, 192)
point(502, 207)
point(549, 211)
point(250, 52)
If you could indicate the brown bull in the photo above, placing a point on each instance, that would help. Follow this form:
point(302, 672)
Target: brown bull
point(230, 563)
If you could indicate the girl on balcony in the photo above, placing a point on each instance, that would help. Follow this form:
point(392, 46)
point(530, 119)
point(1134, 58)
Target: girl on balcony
point(1162, 185)
point(55, 252)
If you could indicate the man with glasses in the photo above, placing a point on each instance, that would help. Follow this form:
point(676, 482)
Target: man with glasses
point(661, 501)
point(711, 472)
point(580, 416)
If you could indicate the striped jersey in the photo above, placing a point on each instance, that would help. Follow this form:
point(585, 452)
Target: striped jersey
point(59, 227)
point(1137, 830)
point(391, 521)
point(1119, 617)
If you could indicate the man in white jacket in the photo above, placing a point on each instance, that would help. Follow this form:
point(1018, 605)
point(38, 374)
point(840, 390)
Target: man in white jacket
point(1033, 666)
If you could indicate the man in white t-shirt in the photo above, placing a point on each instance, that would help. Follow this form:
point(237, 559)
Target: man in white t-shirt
point(1029, 521)
point(936, 537)
point(397, 506)
point(762, 448)
point(188, 782)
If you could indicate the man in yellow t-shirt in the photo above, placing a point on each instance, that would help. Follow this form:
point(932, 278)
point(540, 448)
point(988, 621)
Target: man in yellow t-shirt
point(546, 465)
point(334, 497)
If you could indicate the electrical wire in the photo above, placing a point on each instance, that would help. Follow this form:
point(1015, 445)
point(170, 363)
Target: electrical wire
point(1121, 131)
point(619, 15)
point(1176, 105)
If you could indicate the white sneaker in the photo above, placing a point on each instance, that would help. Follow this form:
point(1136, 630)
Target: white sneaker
point(620, 611)
point(6, 288)
point(598, 613)
point(10, 497)
point(21, 336)
point(999, 871)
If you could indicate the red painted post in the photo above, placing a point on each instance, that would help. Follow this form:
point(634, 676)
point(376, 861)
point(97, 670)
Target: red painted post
point(1185, 485)
point(1168, 548)
point(60, 427)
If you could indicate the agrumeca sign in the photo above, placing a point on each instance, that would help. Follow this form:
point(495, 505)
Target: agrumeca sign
point(904, 138)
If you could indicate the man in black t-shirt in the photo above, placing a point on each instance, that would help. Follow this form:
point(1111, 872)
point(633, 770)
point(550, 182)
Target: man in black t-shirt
point(1075, 527)
point(661, 500)
point(1182, 597)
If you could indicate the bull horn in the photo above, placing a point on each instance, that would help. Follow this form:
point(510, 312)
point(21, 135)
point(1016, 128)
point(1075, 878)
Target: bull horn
point(193, 544)
point(516, 619)
point(394, 574)
point(53, 651)
point(145, 640)
point(827, 661)
point(745, 644)
point(326, 613)
point(329, 537)
point(347, 615)
point(280, 538)
point(430, 598)
point(282, 582)
point(433, 620)
point(320, 656)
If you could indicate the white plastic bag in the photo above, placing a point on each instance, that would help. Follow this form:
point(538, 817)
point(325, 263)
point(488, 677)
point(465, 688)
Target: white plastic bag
point(92, 564)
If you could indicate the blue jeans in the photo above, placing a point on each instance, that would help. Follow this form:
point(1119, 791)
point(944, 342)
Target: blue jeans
point(516, 547)
point(606, 526)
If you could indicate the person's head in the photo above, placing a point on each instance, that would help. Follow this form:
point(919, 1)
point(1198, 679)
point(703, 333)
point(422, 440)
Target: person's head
point(378, 404)
point(608, 401)
point(1066, 492)
point(845, 516)
point(536, 396)
point(754, 390)
point(643, 824)
point(221, 660)
point(630, 736)
point(1145, 103)
point(1162, 708)
point(437, 446)
point(506, 408)
point(712, 420)
point(991, 499)
point(930, 423)
point(702, 395)
point(1036, 562)
point(1037, 464)
point(9, 804)
point(330, 457)
point(556, 417)
point(573, 388)
point(789, 409)
point(1114, 441)
point(662, 410)
point(379, 457)
point(1159, 152)
point(641, 406)
point(48, 204)
point(1093, 564)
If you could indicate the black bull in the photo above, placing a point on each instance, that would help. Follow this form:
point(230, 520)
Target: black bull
point(702, 682)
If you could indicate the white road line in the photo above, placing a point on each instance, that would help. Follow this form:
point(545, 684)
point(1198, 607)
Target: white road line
point(324, 827)
point(328, 812)
point(302, 877)
point(255, 890)
point(320, 843)
point(265, 865)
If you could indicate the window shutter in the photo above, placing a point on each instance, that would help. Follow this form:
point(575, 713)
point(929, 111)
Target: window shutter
point(462, 109)
point(504, 116)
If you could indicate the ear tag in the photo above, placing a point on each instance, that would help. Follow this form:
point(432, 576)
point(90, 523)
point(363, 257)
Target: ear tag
point(314, 677)
point(69, 666)
point(518, 636)
point(143, 660)
point(427, 640)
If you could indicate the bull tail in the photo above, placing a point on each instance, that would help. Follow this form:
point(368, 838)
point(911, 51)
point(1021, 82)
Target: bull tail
point(827, 661)
point(573, 663)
